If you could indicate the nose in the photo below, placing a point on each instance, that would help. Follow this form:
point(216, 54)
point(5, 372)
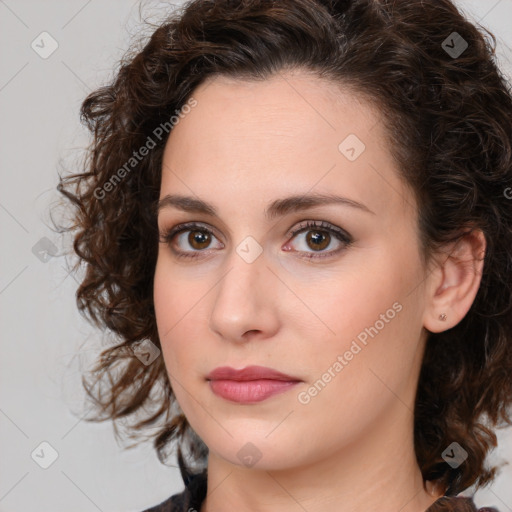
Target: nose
point(245, 305)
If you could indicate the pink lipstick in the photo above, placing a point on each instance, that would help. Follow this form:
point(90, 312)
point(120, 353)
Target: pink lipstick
point(248, 385)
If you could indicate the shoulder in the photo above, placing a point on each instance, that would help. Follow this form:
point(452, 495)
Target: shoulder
point(189, 500)
point(457, 504)
point(175, 503)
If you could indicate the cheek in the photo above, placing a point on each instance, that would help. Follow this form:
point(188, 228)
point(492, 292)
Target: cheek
point(353, 373)
point(174, 296)
point(181, 313)
point(164, 298)
point(341, 304)
point(370, 320)
point(170, 312)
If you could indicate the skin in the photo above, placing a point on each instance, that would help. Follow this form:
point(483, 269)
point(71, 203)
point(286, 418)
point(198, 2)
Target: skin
point(351, 446)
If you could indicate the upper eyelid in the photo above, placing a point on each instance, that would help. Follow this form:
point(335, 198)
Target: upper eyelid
point(188, 226)
point(321, 226)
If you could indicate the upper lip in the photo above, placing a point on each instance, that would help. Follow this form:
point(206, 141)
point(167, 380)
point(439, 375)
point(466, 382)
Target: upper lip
point(248, 373)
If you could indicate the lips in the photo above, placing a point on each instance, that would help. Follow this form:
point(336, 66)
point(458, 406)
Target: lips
point(248, 373)
point(249, 385)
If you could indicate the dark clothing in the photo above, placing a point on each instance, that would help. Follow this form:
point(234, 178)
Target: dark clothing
point(189, 500)
point(192, 497)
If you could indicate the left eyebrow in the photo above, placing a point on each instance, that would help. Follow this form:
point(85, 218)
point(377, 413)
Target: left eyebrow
point(281, 207)
point(276, 208)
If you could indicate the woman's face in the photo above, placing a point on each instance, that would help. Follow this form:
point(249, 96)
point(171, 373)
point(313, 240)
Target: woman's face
point(338, 306)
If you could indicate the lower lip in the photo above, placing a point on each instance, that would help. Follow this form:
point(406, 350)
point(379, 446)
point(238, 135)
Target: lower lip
point(250, 391)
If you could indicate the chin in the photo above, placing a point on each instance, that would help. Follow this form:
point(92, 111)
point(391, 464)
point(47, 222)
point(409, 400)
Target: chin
point(259, 453)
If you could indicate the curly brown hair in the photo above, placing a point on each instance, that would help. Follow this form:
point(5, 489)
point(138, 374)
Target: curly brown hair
point(449, 120)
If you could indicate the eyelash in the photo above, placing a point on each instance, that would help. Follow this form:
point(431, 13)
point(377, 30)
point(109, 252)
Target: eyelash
point(168, 235)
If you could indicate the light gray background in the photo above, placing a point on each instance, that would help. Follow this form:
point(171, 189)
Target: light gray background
point(44, 341)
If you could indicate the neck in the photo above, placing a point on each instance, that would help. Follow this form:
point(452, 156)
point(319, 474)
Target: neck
point(377, 471)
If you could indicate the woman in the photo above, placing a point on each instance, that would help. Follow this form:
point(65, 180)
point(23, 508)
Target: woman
point(297, 217)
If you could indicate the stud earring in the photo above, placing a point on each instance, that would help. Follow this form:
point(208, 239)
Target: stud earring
point(442, 317)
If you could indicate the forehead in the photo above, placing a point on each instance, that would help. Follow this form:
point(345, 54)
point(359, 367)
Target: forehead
point(292, 133)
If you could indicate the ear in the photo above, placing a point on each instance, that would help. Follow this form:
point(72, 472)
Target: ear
point(454, 282)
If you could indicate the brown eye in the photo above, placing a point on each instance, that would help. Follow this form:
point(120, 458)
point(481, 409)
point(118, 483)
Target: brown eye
point(189, 240)
point(310, 240)
point(199, 239)
point(318, 240)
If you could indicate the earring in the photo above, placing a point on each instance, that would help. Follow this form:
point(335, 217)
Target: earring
point(442, 317)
